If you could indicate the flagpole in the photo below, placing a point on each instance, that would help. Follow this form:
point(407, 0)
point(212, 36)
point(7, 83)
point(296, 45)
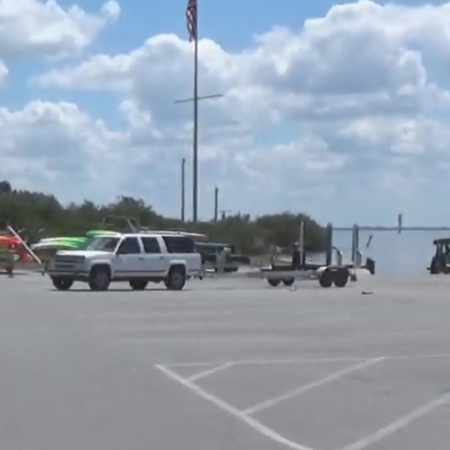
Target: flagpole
point(195, 137)
point(192, 26)
point(183, 189)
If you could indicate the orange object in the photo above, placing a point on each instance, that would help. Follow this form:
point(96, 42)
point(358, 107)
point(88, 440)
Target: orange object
point(15, 246)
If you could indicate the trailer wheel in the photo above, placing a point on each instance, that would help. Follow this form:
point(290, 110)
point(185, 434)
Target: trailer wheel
point(288, 281)
point(341, 278)
point(326, 278)
point(370, 266)
point(273, 282)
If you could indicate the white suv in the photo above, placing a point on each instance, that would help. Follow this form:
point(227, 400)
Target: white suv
point(136, 258)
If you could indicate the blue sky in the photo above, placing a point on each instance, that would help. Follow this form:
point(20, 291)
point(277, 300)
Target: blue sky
point(233, 23)
point(337, 111)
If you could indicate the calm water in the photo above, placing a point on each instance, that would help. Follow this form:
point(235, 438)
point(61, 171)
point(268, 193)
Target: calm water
point(407, 253)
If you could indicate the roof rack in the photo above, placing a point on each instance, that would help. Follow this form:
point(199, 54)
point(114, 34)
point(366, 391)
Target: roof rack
point(133, 226)
point(199, 237)
point(146, 230)
point(128, 222)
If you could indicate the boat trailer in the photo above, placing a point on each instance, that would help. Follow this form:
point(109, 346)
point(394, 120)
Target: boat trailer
point(328, 274)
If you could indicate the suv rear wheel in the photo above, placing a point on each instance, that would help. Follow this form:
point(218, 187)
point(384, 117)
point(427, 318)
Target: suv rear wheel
point(176, 279)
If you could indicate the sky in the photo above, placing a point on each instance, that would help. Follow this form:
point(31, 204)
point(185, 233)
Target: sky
point(340, 111)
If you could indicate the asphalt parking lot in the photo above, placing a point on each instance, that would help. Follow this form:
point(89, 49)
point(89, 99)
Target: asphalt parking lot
point(226, 365)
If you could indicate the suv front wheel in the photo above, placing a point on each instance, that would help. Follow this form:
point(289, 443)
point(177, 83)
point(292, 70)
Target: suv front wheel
point(99, 278)
point(62, 283)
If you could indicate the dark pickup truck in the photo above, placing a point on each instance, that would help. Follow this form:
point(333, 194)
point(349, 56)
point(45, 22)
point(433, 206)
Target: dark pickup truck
point(209, 251)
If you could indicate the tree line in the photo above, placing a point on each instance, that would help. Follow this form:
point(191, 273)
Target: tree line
point(40, 215)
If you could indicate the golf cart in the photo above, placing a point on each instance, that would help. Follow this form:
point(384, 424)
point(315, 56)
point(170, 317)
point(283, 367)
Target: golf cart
point(440, 262)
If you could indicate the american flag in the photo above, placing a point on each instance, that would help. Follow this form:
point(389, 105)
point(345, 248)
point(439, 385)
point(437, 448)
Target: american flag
point(191, 17)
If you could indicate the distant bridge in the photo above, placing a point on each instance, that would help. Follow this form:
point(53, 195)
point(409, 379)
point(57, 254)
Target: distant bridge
point(398, 229)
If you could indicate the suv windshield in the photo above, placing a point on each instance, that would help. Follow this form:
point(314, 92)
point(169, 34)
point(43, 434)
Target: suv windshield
point(105, 244)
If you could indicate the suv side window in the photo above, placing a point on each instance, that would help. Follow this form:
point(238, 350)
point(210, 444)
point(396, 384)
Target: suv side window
point(129, 246)
point(179, 244)
point(151, 245)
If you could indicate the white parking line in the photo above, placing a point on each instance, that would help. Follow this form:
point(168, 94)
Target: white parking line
point(257, 426)
point(264, 362)
point(302, 360)
point(400, 423)
point(207, 373)
point(302, 390)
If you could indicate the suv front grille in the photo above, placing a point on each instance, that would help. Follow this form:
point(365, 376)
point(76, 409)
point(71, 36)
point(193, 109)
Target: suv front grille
point(63, 262)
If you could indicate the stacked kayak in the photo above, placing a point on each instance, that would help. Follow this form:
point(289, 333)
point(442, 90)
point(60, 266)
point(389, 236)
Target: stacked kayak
point(46, 248)
point(61, 243)
point(6, 240)
point(95, 233)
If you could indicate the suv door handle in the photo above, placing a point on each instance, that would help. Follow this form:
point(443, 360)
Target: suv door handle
point(141, 258)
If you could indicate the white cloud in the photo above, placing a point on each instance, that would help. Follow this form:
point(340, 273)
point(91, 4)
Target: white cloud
point(111, 10)
point(45, 142)
point(359, 57)
point(4, 72)
point(351, 106)
point(38, 28)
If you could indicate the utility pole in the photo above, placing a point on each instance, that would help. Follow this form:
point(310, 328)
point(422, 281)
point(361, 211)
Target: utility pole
point(183, 188)
point(224, 213)
point(216, 204)
point(196, 99)
point(192, 26)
